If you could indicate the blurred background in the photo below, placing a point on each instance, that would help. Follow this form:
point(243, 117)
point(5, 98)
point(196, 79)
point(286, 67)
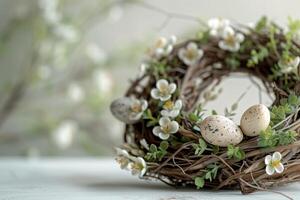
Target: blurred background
point(63, 61)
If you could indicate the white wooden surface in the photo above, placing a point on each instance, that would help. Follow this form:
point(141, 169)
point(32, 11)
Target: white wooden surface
point(101, 179)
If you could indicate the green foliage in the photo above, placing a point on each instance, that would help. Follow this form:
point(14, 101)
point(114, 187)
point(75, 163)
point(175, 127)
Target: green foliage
point(287, 106)
point(257, 56)
point(232, 62)
point(231, 112)
point(235, 152)
point(272, 138)
point(200, 147)
point(197, 115)
point(155, 153)
point(261, 24)
point(147, 115)
point(158, 69)
point(199, 182)
point(210, 173)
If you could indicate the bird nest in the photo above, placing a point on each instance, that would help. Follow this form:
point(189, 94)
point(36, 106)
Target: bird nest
point(165, 123)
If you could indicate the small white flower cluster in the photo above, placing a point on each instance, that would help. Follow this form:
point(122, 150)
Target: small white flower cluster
point(167, 126)
point(230, 40)
point(137, 109)
point(136, 165)
point(273, 163)
point(162, 47)
point(52, 16)
point(290, 66)
point(190, 54)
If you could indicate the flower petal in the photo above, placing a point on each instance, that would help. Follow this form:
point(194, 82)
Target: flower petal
point(174, 126)
point(270, 170)
point(279, 169)
point(155, 93)
point(164, 113)
point(162, 83)
point(144, 105)
point(165, 98)
point(268, 159)
point(178, 104)
point(276, 156)
point(156, 130)
point(164, 121)
point(174, 113)
point(164, 136)
point(192, 46)
point(172, 88)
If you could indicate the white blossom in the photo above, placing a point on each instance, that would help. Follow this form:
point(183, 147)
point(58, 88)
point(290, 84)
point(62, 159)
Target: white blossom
point(144, 143)
point(138, 166)
point(123, 158)
point(218, 26)
point(273, 163)
point(166, 128)
point(75, 92)
point(96, 54)
point(66, 32)
point(50, 11)
point(163, 90)
point(190, 54)
point(231, 40)
point(104, 81)
point(162, 47)
point(64, 134)
point(171, 109)
point(137, 109)
point(289, 66)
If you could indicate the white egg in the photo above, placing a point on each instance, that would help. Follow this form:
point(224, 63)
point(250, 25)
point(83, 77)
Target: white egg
point(255, 119)
point(121, 109)
point(221, 131)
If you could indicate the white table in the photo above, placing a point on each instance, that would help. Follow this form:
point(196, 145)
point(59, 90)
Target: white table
point(99, 179)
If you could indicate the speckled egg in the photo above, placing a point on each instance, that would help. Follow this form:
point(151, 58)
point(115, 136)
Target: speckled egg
point(120, 108)
point(221, 131)
point(255, 119)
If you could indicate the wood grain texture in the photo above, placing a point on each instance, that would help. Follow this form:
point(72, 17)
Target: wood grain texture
point(101, 179)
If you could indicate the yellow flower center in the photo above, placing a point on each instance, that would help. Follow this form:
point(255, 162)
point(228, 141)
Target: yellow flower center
point(275, 163)
point(168, 105)
point(160, 43)
point(164, 90)
point(230, 40)
point(136, 107)
point(190, 54)
point(166, 129)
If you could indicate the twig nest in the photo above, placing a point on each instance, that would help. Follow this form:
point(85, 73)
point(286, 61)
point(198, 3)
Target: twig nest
point(255, 119)
point(128, 110)
point(221, 131)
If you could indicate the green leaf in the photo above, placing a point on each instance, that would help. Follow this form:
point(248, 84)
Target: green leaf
point(164, 145)
point(200, 147)
point(152, 148)
point(199, 182)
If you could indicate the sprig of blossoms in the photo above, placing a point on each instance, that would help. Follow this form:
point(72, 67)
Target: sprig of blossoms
point(218, 26)
point(137, 109)
point(273, 163)
point(163, 90)
point(231, 40)
point(162, 47)
point(136, 165)
point(289, 66)
point(190, 54)
point(166, 128)
point(171, 109)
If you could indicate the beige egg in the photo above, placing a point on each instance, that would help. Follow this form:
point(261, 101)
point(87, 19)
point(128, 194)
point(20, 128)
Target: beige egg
point(255, 119)
point(221, 131)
